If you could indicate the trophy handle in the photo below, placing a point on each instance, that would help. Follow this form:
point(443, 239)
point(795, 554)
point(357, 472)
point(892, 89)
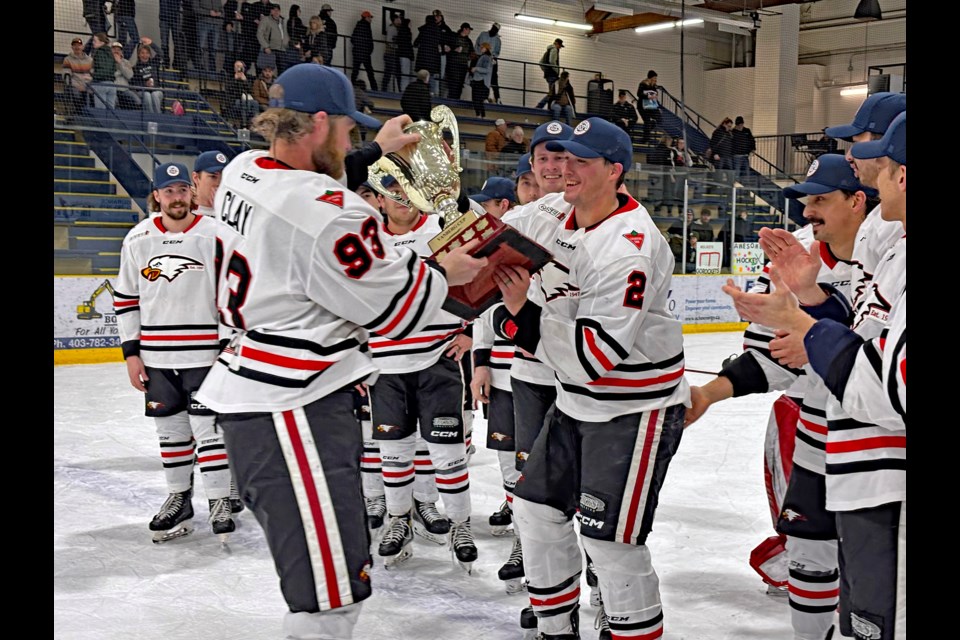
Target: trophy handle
point(380, 169)
point(444, 116)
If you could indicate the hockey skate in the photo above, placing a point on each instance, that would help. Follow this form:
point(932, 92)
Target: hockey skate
point(595, 599)
point(602, 625)
point(396, 545)
point(528, 619)
point(512, 570)
point(574, 623)
point(428, 523)
point(501, 520)
point(174, 518)
point(462, 544)
point(777, 592)
point(220, 520)
point(236, 504)
point(376, 510)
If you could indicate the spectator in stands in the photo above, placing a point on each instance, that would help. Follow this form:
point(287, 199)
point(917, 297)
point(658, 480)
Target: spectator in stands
point(743, 146)
point(315, 41)
point(702, 227)
point(678, 229)
point(104, 73)
point(497, 138)
point(188, 28)
point(721, 146)
point(492, 37)
point(361, 45)
point(274, 42)
point(261, 86)
point(126, 97)
point(415, 100)
point(77, 76)
point(681, 161)
point(517, 143)
point(429, 51)
point(209, 14)
point(250, 13)
point(659, 192)
point(624, 113)
point(363, 104)
point(742, 232)
point(648, 93)
point(675, 235)
point(238, 90)
point(458, 61)
point(96, 18)
point(125, 25)
point(145, 80)
point(405, 52)
point(295, 28)
point(391, 61)
point(550, 66)
point(564, 102)
point(481, 72)
point(229, 44)
point(170, 16)
point(330, 28)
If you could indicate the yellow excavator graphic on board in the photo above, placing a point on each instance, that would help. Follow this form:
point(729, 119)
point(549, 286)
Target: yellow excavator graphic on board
point(88, 309)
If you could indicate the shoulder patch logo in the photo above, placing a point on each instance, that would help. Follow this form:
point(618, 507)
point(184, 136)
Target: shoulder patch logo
point(554, 128)
point(332, 197)
point(813, 168)
point(169, 267)
point(635, 238)
point(582, 128)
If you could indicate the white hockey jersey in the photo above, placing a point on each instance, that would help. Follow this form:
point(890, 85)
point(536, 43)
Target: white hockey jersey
point(165, 296)
point(605, 327)
point(804, 385)
point(492, 351)
point(311, 280)
point(866, 463)
point(421, 349)
point(539, 220)
point(874, 238)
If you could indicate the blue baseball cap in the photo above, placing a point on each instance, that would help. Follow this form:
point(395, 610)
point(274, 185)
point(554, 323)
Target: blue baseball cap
point(893, 144)
point(874, 115)
point(523, 165)
point(496, 188)
point(829, 172)
point(210, 161)
point(553, 130)
point(170, 173)
point(387, 181)
point(310, 88)
point(597, 138)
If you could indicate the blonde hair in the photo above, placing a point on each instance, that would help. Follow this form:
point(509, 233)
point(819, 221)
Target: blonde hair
point(277, 123)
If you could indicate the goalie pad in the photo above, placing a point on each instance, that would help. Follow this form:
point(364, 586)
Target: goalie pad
point(769, 559)
point(778, 452)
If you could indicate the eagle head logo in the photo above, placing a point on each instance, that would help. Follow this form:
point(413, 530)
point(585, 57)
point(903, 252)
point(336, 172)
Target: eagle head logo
point(500, 437)
point(386, 428)
point(153, 404)
point(169, 267)
point(790, 515)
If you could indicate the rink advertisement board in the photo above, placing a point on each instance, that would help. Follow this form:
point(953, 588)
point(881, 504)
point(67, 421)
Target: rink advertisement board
point(700, 305)
point(84, 324)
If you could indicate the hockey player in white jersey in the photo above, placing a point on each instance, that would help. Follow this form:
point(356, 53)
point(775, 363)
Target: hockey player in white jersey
point(207, 169)
point(836, 205)
point(310, 282)
point(866, 449)
point(420, 388)
point(490, 387)
point(617, 353)
point(165, 301)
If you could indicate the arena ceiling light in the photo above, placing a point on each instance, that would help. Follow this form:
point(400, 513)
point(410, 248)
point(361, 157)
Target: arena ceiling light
point(669, 25)
point(860, 90)
point(868, 10)
point(552, 22)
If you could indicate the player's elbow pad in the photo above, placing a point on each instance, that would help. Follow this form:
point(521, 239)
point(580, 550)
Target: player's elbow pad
point(746, 375)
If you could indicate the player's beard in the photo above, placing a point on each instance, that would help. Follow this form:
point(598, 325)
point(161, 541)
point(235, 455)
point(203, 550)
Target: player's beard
point(328, 158)
point(177, 210)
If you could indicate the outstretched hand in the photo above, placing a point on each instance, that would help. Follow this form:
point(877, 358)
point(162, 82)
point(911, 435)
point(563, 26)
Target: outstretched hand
point(798, 267)
point(778, 309)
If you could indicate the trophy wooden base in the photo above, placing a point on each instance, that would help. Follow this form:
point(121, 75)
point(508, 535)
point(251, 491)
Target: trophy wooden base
point(500, 244)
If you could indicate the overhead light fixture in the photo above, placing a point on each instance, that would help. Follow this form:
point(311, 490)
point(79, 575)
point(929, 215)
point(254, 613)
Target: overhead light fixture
point(868, 10)
point(673, 9)
point(552, 22)
point(668, 25)
point(859, 90)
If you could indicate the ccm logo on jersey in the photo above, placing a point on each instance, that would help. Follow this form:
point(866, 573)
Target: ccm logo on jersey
point(565, 245)
point(169, 267)
point(444, 434)
point(587, 521)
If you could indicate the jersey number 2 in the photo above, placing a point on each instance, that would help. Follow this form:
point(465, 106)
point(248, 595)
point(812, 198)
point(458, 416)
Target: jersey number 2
point(633, 298)
point(353, 253)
